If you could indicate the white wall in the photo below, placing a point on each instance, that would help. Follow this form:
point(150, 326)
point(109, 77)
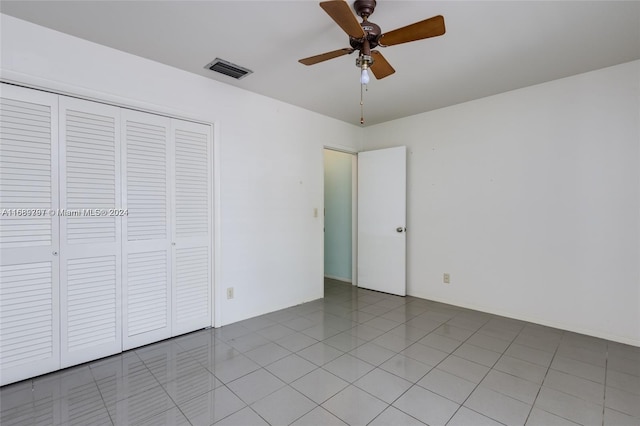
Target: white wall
point(531, 201)
point(269, 159)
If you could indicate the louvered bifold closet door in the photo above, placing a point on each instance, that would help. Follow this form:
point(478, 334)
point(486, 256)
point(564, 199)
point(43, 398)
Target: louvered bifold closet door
point(29, 284)
point(90, 252)
point(192, 254)
point(146, 257)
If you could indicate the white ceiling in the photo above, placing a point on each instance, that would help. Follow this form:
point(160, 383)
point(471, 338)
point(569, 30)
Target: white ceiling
point(489, 47)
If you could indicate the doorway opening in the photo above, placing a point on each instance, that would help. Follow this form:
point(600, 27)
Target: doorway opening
point(340, 213)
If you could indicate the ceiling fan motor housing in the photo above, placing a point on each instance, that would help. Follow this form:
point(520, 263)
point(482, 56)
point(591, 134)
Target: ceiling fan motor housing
point(364, 8)
point(373, 33)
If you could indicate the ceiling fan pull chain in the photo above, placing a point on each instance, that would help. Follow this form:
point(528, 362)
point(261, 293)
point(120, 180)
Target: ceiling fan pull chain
point(361, 104)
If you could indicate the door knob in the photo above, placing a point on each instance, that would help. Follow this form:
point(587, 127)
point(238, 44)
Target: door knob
point(400, 229)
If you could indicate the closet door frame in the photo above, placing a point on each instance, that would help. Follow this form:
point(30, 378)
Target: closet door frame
point(60, 251)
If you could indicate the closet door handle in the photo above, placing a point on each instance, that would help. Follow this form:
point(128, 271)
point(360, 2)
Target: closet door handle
point(55, 253)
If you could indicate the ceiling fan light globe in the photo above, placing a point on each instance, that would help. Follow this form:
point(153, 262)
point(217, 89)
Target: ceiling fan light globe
point(364, 76)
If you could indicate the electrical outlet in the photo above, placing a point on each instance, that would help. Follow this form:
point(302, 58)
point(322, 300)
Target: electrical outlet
point(446, 278)
point(230, 293)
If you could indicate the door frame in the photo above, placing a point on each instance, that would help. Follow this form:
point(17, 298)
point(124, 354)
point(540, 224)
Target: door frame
point(354, 208)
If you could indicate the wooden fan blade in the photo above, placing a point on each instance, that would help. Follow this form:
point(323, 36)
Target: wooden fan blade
point(431, 27)
point(341, 13)
point(325, 56)
point(380, 67)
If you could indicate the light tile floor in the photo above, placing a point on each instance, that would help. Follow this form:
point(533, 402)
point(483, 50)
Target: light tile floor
point(355, 357)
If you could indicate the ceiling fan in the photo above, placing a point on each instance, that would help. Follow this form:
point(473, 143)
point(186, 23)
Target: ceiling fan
point(365, 36)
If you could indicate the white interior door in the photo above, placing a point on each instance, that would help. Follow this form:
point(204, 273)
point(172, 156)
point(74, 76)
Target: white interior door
point(146, 248)
point(191, 242)
point(90, 246)
point(29, 244)
point(382, 220)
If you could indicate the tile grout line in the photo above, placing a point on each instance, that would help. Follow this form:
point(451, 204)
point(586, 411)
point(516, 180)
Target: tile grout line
point(163, 388)
point(545, 378)
point(395, 354)
point(102, 396)
point(483, 377)
point(176, 402)
point(604, 391)
point(378, 366)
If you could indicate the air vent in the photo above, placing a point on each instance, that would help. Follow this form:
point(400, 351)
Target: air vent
point(227, 68)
